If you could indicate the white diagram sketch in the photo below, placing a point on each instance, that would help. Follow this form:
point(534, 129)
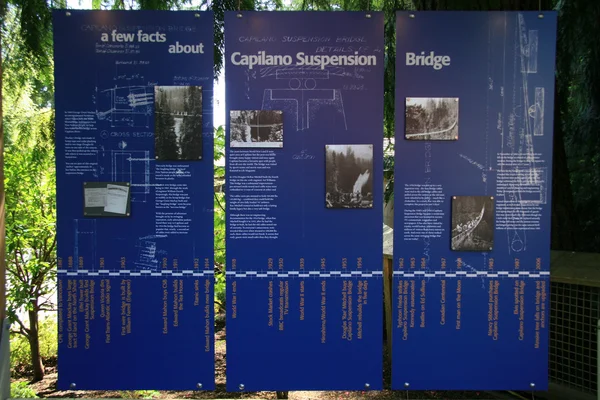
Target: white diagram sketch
point(301, 92)
point(125, 106)
point(521, 176)
point(537, 112)
point(85, 238)
point(529, 182)
point(132, 166)
point(147, 253)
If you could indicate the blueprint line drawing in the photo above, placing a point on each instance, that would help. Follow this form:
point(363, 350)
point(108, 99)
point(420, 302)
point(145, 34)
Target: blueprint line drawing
point(521, 177)
point(85, 238)
point(537, 112)
point(125, 106)
point(300, 92)
point(525, 122)
point(132, 166)
point(147, 253)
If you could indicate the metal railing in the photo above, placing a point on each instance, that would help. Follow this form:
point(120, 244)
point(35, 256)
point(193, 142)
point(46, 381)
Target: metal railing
point(574, 322)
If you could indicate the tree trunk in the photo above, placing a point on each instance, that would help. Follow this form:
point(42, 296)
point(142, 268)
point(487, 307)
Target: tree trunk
point(34, 345)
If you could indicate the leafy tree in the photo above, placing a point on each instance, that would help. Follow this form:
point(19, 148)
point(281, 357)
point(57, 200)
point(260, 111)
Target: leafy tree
point(30, 218)
point(576, 190)
point(28, 168)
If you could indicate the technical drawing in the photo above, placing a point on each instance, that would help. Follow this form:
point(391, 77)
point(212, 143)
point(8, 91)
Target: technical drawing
point(529, 182)
point(147, 253)
point(132, 166)
point(85, 238)
point(537, 112)
point(125, 106)
point(529, 47)
point(300, 95)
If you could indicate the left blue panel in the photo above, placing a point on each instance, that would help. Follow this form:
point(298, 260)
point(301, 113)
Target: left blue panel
point(134, 96)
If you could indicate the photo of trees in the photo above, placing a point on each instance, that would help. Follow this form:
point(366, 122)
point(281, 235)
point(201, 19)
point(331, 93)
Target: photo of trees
point(349, 176)
point(178, 122)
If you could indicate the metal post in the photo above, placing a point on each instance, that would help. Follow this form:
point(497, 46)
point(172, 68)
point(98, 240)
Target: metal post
point(598, 360)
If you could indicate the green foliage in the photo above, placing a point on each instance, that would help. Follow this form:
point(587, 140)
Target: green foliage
point(22, 65)
point(30, 205)
point(22, 390)
point(20, 354)
point(29, 183)
point(578, 102)
point(139, 394)
point(219, 218)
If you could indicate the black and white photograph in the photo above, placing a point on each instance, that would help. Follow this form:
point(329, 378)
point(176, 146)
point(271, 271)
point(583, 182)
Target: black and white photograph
point(178, 123)
point(431, 118)
point(256, 128)
point(472, 223)
point(349, 176)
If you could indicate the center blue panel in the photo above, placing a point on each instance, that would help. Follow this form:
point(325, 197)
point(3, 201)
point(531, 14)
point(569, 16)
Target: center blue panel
point(304, 193)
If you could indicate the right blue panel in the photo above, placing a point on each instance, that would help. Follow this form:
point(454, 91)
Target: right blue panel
point(473, 173)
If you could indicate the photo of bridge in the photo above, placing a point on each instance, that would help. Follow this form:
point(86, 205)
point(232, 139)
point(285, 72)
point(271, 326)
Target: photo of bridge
point(431, 118)
point(472, 223)
point(256, 128)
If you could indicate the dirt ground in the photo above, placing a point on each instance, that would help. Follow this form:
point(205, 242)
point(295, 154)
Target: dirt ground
point(47, 388)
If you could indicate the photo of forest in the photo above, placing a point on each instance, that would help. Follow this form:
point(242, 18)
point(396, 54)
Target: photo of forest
point(256, 128)
point(472, 223)
point(349, 176)
point(431, 118)
point(178, 122)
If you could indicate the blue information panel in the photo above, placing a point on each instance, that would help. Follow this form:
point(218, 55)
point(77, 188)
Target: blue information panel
point(474, 114)
point(134, 159)
point(304, 200)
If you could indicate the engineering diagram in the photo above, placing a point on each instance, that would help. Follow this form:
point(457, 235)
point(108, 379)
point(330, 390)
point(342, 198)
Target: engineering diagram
point(300, 93)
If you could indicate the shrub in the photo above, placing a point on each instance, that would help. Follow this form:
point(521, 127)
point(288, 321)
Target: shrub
point(21, 390)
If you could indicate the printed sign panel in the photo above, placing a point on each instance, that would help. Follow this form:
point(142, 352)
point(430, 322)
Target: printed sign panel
point(304, 200)
point(134, 162)
point(473, 173)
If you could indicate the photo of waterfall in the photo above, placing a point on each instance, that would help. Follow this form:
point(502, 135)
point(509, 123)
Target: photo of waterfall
point(256, 128)
point(178, 123)
point(431, 118)
point(349, 176)
point(472, 223)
